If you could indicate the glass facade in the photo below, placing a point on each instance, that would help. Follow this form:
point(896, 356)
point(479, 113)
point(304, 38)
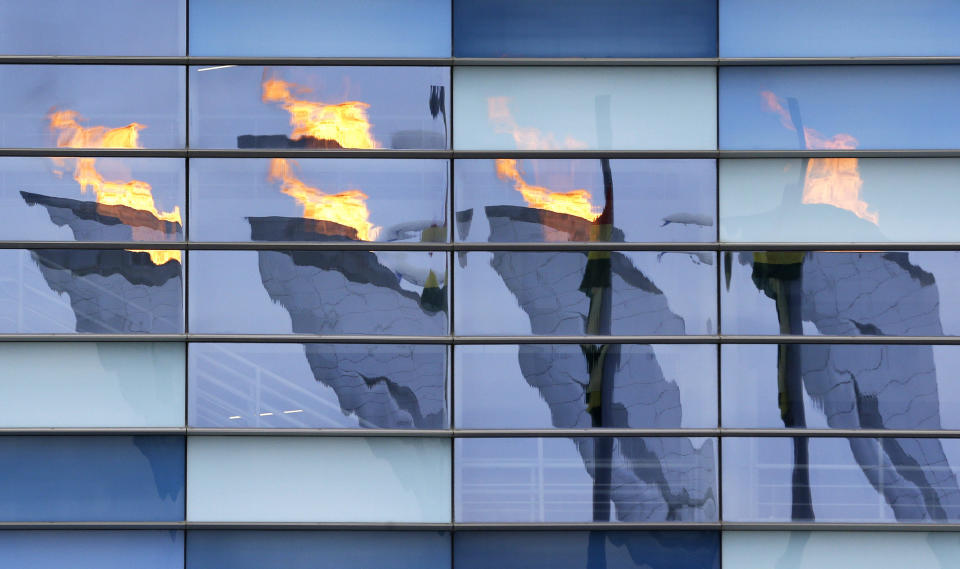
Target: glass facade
point(463, 284)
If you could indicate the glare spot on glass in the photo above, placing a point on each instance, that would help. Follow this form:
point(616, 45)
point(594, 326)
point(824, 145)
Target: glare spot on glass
point(215, 67)
point(293, 411)
point(265, 414)
point(233, 417)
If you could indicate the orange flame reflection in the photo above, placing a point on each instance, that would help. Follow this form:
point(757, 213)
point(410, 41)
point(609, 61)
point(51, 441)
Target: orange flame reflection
point(346, 208)
point(135, 194)
point(831, 181)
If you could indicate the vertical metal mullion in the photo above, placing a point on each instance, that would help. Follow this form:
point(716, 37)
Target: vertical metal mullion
point(451, 235)
point(186, 282)
point(719, 345)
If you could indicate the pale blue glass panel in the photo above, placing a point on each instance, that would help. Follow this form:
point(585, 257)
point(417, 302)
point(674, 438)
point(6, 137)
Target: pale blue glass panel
point(839, 107)
point(311, 28)
point(606, 108)
point(839, 28)
point(807, 479)
point(536, 386)
point(840, 549)
point(93, 27)
point(309, 479)
point(86, 384)
point(84, 549)
point(839, 199)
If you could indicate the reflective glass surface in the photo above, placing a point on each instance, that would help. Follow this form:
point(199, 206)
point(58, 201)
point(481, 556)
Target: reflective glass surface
point(304, 200)
point(838, 28)
point(849, 293)
point(601, 479)
point(313, 479)
point(85, 478)
point(841, 480)
point(93, 27)
point(601, 28)
point(839, 199)
point(91, 199)
point(555, 292)
point(98, 549)
point(91, 106)
point(91, 291)
point(318, 292)
point(579, 549)
point(312, 549)
point(86, 384)
point(556, 200)
point(841, 107)
point(318, 385)
point(840, 549)
point(840, 386)
point(576, 108)
point(535, 386)
point(312, 28)
point(251, 107)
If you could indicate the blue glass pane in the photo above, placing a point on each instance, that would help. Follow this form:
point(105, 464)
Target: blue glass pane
point(839, 107)
point(251, 107)
point(318, 292)
point(320, 28)
point(584, 479)
point(378, 199)
point(91, 291)
point(313, 549)
point(100, 549)
point(841, 480)
point(92, 106)
point(840, 386)
point(82, 478)
point(600, 28)
point(555, 200)
point(839, 199)
point(577, 108)
point(580, 549)
point(93, 27)
point(840, 549)
point(318, 386)
point(550, 293)
point(838, 28)
point(535, 386)
point(841, 293)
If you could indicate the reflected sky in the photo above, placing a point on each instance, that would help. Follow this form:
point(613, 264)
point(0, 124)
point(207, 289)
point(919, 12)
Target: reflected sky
point(100, 549)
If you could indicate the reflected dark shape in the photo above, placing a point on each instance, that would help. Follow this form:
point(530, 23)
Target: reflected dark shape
point(92, 221)
point(282, 141)
point(569, 549)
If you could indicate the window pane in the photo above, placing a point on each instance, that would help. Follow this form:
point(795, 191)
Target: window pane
point(842, 107)
point(91, 106)
point(602, 28)
point(556, 200)
point(550, 293)
point(318, 292)
point(311, 28)
point(81, 478)
point(838, 28)
point(99, 549)
point(579, 549)
point(91, 199)
point(606, 108)
point(91, 291)
point(312, 549)
point(840, 549)
point(841, 480)
point(295, 200)
point(85, 384)
point(309, 479)
point(839, 199)
point(318, 386)
point(840, 386)
point(536, 386)
point(577, 480)
point(319, 107)
point(841, 293)
point(92, 27)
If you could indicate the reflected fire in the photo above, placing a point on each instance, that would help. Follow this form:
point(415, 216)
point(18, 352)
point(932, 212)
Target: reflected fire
point(135, 194)
point(831, 181)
